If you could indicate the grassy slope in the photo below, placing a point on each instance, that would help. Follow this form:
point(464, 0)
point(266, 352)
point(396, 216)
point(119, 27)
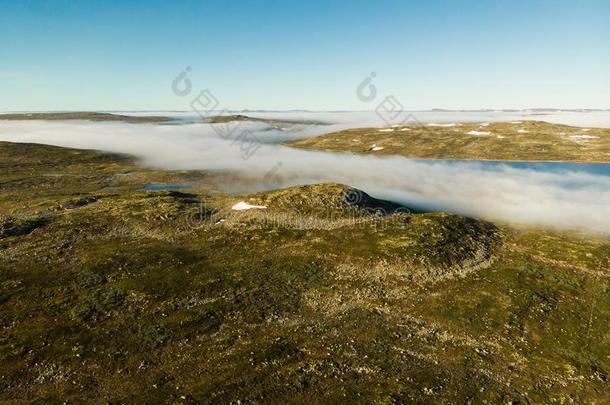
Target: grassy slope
point(127, 295)
point(541, 142)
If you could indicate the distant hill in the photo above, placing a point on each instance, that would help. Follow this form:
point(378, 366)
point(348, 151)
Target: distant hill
point(506, 141)
point(221, 119)
point(88, 116)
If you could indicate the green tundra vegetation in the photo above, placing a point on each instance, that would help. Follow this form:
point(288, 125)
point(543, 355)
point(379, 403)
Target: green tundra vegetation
point(509, 141)
point(118, 292)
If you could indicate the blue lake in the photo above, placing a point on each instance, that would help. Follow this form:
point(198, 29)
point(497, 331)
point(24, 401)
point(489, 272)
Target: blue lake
point(166, 187)
point(600, 169)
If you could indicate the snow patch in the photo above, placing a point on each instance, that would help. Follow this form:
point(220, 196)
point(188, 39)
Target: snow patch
point(478, 133)
point(448, 125)
point(242, 205)
point(583, 137)
point(387, 130)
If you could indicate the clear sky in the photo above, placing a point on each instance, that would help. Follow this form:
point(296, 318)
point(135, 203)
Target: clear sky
point(123, 55)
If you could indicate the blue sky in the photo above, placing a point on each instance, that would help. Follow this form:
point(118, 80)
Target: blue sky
point(119, 55)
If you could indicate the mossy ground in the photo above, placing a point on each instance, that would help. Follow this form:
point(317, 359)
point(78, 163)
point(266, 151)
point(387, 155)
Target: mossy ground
point(111, 292)
point(523, 141)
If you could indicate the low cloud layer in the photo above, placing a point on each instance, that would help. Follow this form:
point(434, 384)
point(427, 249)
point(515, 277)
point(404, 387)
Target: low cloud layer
point(569, 199)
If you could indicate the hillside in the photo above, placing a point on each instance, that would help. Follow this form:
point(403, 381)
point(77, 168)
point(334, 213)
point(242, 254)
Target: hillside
point(87, 116)
point(113, 292)
point(510, 141)
point(222, 119)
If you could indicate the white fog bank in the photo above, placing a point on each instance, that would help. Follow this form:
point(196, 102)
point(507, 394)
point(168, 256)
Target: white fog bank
point(569, 199)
